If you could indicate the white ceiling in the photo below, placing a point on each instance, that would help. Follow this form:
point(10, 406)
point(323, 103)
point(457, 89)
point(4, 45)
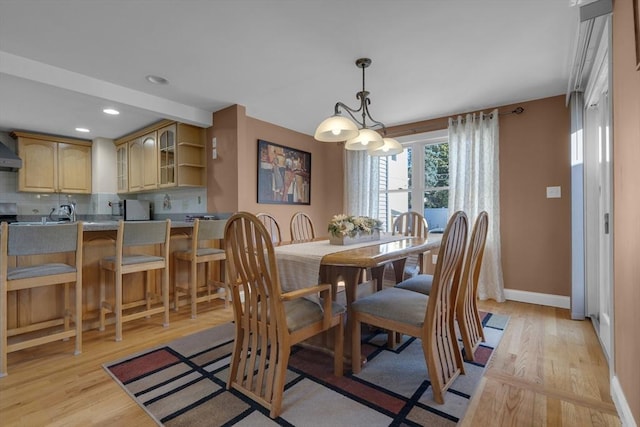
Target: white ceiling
point(287, 61)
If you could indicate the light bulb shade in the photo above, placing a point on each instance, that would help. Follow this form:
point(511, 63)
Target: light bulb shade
point(367, 139)
point(336, 128)
point(390, 147)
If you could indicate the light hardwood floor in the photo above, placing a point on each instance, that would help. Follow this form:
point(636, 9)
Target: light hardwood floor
point(548, 370)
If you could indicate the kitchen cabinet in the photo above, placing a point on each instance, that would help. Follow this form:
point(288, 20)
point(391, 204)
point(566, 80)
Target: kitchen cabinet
point(192, 161)
point(167, 154)
point(122, 169)
point(143, 163)
point(53, 164)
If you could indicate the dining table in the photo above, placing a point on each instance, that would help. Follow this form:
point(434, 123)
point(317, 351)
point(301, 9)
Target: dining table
point(318, 261)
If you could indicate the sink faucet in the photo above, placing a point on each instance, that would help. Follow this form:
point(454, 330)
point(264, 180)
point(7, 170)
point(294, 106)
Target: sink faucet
point(69, 211)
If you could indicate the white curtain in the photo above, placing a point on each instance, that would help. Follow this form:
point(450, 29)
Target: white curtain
point(474, 186)
point(361, 186)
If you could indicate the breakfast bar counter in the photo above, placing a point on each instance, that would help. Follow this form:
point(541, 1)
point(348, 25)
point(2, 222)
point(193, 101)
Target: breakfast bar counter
point(29, 305)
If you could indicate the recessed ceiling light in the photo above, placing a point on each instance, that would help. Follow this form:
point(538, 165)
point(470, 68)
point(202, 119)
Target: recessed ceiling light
point(156, 80)
point(111, 111)
point(83, 130)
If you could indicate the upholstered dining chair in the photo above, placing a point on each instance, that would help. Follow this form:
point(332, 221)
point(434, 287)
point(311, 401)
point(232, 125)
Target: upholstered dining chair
point(422, 316)
point(205, 235)
point(415, 225)
point(466, 311)
point(268, 321)
point(301, 227)
point(272, 227)
point(20, 248)
point(136, 243)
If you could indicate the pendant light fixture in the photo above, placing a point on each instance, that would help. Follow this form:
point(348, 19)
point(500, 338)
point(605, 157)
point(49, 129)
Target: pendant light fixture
point(358, 135)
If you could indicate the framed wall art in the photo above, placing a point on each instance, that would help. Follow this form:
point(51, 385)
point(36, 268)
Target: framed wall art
point(284, 174)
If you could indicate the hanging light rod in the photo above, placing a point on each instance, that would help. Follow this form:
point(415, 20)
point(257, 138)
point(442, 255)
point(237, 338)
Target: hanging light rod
point(358, 135)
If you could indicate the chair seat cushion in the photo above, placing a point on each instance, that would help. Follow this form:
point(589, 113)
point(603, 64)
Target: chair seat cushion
point(419, 283)
point(302, 312)
point(203, 251)
point(135, 259)
point(208, 251)
point(17, 273)
point(394, 304)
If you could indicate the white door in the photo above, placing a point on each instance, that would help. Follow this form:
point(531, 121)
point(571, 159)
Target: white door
point(598, 189)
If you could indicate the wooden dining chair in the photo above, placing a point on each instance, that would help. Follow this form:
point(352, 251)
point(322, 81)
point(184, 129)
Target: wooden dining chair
point(205, 235)
point(272, 227)
point(466, 307)
point(135, 252)
point(425, 317)
point(301, 227)
point(415, 225)
point(23, 246)
point(268, 321)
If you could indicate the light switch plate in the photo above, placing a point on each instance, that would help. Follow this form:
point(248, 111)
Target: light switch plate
point(554, 192)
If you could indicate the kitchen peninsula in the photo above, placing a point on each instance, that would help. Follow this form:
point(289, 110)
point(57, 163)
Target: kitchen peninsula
point(34, 305)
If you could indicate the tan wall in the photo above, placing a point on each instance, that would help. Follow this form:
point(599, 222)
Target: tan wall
point(222, 173)
point(536, 231)
point(233, 176)
point(626, 196)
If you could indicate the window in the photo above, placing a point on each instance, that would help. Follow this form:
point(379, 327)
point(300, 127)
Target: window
point(402, 182)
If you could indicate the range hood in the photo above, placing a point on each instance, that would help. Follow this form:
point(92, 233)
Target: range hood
point(8, 159)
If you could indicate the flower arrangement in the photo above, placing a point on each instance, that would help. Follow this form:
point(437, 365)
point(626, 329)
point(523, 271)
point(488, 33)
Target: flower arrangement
point(349, 225)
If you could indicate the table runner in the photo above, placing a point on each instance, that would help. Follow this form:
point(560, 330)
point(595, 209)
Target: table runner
point(299, 263)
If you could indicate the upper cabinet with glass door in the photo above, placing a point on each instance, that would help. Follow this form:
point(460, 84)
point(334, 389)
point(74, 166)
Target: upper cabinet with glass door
point(167, 155)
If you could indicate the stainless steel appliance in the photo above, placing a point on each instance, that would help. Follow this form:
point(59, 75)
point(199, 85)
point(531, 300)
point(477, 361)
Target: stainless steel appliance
point(132, 210)
point(8, 212)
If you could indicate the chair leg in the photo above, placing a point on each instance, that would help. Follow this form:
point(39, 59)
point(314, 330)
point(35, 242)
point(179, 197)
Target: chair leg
point(193, 288)
point(66, 312)
point(147, 290)
point(102, 297)
point(175, 284)
point(355, 345)
point(3, 327)
point(278, 388)
point(118, 305)
point(338, 349)
point(165, 293)
point(78, 317)
point(434, 371)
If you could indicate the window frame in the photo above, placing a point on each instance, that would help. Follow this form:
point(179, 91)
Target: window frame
point(418, 187)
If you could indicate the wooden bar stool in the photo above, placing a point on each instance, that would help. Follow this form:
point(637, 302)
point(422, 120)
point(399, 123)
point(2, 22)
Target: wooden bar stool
point(205, 235)
point(26, 243)
point(135, 235)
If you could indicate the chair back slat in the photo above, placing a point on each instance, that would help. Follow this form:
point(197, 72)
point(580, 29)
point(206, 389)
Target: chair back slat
point(410, 224)
point(42, 239)
point(301, 227)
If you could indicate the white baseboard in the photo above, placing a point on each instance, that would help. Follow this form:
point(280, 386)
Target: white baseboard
point(550, 300)
point(624, 412)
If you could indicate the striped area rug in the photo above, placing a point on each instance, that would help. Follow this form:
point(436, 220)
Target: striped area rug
point(183, 384)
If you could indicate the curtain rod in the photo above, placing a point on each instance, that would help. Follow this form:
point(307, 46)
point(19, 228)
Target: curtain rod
point(432, 127)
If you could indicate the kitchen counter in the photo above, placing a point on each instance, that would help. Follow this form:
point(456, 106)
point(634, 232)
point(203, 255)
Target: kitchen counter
point(113, 225)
